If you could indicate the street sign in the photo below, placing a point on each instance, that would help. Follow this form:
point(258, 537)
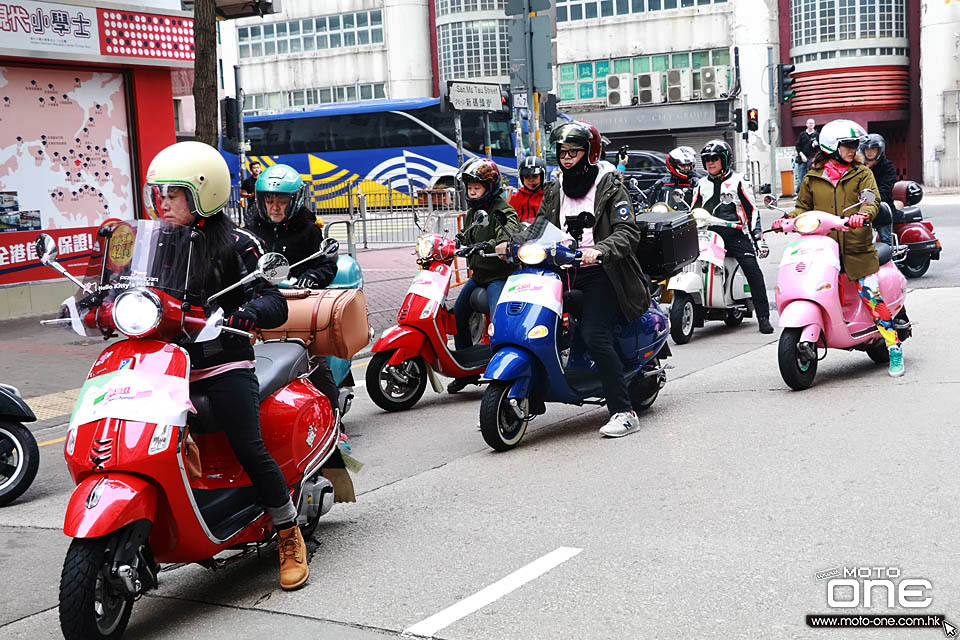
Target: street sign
point(520, 7)
point(542, 54)
point(473, 96)
point(520, 100)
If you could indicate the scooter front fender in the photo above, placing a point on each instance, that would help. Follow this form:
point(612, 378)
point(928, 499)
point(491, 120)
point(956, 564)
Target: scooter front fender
point(806, 315)
point(104, 503)
point(406, 341)
point(510, 363)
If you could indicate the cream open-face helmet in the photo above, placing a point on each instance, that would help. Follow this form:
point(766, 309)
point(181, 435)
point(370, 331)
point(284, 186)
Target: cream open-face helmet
point(198, 169)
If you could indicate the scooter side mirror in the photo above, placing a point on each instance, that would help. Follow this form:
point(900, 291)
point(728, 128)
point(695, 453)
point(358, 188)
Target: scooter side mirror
point(330, 247)
point(274, 267)
point(769, 201)
point(867, 196)
point(46, 248)
point(678, 195)
point(481, 219)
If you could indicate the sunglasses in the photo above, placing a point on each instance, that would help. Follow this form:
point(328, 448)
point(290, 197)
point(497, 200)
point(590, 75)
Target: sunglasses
point(710, 158)
point(568, 153)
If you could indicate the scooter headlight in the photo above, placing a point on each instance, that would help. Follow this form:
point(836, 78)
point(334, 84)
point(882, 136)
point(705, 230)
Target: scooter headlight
point(425, 247)
point(531, 253)
point(806, 223)
point(137, 312)
point(660, 208)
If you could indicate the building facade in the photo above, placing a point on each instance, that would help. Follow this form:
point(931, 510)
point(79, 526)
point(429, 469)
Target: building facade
point(673, 64)
point(472, 42)
point(940, 92)
point(321, 51)
point(857, 59)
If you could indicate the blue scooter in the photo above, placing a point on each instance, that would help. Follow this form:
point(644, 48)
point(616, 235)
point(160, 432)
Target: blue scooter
point(539, 358)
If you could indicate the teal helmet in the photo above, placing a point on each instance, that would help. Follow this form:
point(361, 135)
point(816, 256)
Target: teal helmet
point(282, 180)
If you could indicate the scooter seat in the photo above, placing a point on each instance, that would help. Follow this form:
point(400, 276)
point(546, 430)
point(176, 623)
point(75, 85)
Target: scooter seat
point(884, 252)
point(479, 301)
point(907, 215)
point(278, 363)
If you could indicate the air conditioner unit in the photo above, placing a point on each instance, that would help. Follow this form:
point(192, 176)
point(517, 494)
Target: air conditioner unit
point(619, 89)
point(679, 85)
point(713, 82)
point(650, 88)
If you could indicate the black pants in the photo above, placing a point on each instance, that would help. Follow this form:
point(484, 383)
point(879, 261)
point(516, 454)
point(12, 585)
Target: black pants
point(235, 401)
point(741, 247)
point(322, 379)
point(599, 317)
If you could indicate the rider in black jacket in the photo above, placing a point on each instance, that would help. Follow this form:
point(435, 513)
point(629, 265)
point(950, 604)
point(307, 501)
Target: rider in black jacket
point(885, 173)
point(287, 226)
point(680, 163)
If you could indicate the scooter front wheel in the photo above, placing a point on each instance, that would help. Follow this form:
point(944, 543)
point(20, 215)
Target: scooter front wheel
point(500, 425)
point(796, 367)
point(681, 317)
point(19, 460)
point(93, 605)
point(396, 388)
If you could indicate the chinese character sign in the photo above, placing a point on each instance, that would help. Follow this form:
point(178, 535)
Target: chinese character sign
point(19, 261)
point(40, 26)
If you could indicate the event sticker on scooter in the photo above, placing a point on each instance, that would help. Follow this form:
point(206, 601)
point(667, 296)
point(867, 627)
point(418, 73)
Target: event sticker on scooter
point(431, 285)
point(533, 288)
point(809, 249)
point(131, 395)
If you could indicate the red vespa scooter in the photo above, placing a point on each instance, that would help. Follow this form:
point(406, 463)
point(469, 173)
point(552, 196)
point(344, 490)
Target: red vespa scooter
point(912, 232)
point(149, 490)
point(415, 349)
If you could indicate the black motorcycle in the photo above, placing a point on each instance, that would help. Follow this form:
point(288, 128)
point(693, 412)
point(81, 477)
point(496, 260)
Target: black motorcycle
point(19, 455)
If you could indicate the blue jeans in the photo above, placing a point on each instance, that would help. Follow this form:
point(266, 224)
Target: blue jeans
point(462, 309)
point(801, 171)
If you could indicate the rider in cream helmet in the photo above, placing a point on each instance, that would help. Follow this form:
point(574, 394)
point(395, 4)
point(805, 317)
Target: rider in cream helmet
point(187, 185)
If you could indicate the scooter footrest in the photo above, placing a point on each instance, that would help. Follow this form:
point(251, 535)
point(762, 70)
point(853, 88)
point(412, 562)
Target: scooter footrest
point(226, 511)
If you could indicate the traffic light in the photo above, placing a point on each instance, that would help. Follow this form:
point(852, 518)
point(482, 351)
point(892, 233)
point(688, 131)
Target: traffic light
point(550, 109)
point(506, 99)
point(738, 119)
point(785, 81)
point(230, 119)
point(753, 119)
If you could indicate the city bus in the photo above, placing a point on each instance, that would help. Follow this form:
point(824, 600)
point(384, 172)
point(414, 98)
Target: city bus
point(378, 145)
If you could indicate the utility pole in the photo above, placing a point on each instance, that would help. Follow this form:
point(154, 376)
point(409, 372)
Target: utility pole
point(771, 125)
point(486, 136)
point(746, 139)
point(243, 137)
point(531, 94)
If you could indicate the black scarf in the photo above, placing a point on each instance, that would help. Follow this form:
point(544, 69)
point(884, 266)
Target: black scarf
point(578, 179)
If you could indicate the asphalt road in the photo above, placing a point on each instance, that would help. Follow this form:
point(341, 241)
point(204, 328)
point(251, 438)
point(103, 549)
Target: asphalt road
point(710, 523)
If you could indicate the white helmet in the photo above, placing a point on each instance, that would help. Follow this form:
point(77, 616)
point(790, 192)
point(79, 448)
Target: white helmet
point(195, 167)
point(845, 132)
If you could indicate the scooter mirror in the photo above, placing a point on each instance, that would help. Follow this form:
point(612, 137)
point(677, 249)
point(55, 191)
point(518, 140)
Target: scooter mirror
point(678, 195)
point(867, 196)
point(274, 267)
point(46, 248)
point(769, 201)
point(634, 183)
point(481, 219)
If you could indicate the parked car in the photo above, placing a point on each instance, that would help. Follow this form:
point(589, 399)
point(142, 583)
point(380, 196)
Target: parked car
point(646, 166)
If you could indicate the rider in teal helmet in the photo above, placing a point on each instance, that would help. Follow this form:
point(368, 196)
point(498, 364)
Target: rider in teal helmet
point(280, 193)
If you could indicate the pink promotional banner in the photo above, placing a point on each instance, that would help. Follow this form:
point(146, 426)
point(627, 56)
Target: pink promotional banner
point(19, 261)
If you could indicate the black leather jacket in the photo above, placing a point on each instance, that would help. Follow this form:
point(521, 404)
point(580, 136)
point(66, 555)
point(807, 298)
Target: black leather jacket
point(296, 239)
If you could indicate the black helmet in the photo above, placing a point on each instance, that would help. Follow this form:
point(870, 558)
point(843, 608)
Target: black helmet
point(578, 134)
point(717, 150)
point(874, 141)
point(534, 166)
point(681, 156)
point(484, 171)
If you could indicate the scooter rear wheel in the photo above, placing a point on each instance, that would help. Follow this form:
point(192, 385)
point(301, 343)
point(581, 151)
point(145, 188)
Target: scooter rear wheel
point(92, 605)
point(733, 317)
point(19, 460)
point(914, 266)
point(797, 370)
point(389, 393)
point(879, 352)
point(500, 425)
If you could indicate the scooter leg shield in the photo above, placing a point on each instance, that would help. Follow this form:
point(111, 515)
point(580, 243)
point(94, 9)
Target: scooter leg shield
point(103, 503)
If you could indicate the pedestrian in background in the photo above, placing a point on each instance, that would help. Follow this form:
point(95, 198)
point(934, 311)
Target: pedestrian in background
point(808, 144)
point(248, 191)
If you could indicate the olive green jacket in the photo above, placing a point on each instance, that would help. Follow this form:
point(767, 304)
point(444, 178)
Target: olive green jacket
point(486, 270)
point(857, 253)
point(615, 235)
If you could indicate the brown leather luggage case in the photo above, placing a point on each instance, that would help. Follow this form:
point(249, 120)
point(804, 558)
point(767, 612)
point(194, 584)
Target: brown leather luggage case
point(332, 322)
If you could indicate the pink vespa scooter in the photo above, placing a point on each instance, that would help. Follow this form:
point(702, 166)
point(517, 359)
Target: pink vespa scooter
point(819, 307)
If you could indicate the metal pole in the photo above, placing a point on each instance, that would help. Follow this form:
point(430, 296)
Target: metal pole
point(771, 127)
point(528, 42)
point(746, 137)
point(486, 136)
point(239, 91)
point(458, 129)
point(536, 122)
point(363, 216)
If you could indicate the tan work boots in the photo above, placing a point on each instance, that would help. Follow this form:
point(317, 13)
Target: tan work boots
point(294, 570)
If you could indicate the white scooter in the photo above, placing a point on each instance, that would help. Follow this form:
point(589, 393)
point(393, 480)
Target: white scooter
point(712, 287)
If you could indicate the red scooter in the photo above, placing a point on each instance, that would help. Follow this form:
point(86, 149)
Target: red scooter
point(912, 232)
point(150, 489)
point(415, 349)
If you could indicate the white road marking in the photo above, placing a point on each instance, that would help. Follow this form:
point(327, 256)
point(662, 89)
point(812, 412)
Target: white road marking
point(428, 627)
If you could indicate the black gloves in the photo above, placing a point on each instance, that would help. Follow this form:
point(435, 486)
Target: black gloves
point(310, 280)
point(244, 319)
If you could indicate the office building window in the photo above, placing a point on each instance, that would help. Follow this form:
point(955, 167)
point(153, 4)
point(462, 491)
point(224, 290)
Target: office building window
point(572, 10)
point(311, 34)
point(474, 49)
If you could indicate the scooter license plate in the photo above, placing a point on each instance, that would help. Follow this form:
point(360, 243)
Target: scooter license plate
point(533, 288)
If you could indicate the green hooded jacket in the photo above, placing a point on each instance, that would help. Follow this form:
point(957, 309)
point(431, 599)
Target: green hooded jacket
point(857, 252)
point(616, 236)
point(486, 270)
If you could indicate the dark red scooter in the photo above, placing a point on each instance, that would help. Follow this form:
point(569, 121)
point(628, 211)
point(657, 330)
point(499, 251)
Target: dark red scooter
point(911, 232)
point(150, 490)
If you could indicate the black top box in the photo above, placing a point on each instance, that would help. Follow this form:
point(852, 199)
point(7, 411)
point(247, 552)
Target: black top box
point(668, 242)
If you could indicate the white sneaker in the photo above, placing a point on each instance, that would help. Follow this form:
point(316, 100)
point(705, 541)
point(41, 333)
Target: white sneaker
point(621, 424)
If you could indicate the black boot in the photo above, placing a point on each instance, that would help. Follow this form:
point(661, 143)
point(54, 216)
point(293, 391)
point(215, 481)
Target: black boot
point(459, 384)
point(765, 326)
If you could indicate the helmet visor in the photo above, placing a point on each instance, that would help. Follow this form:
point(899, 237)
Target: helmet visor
point(170, 202)
point(277, 207)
